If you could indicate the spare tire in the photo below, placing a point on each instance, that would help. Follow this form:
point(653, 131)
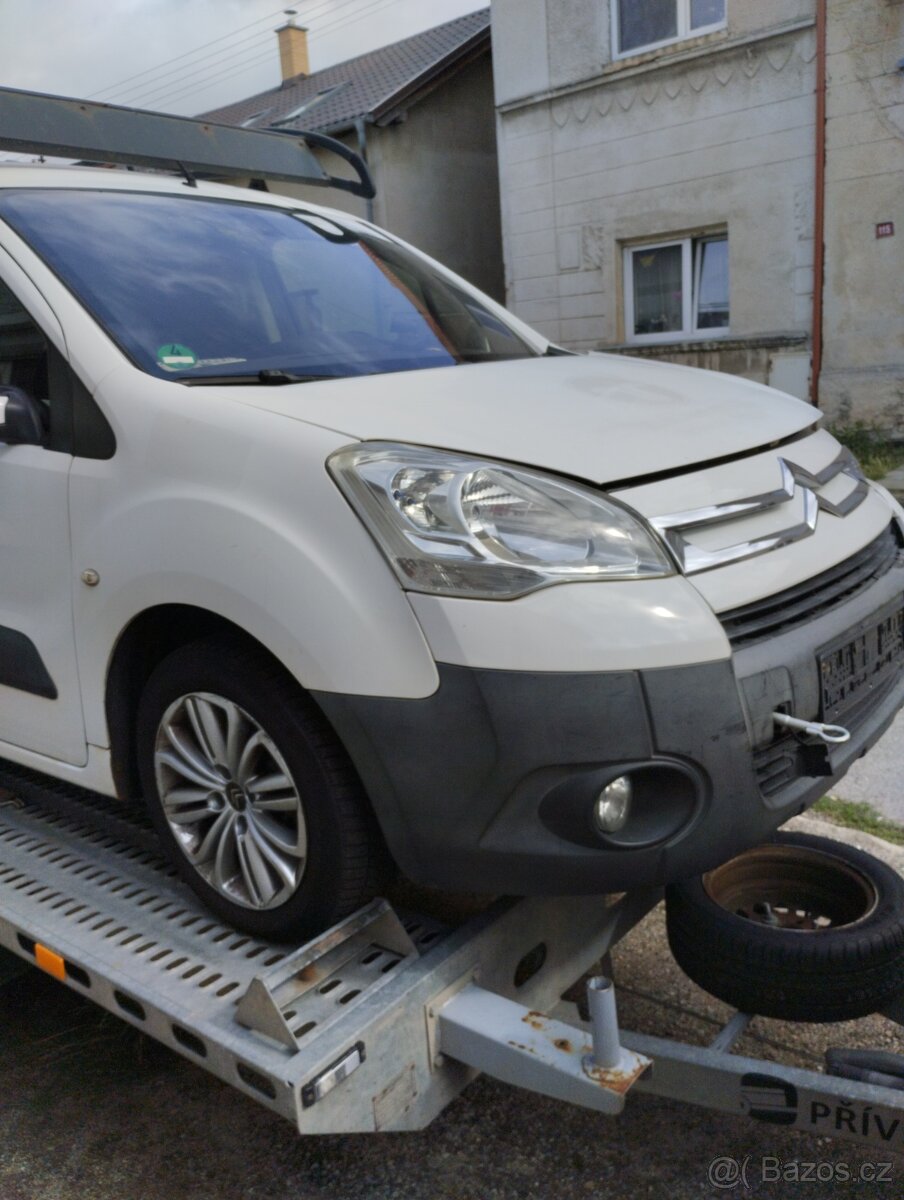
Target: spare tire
point(802, 928)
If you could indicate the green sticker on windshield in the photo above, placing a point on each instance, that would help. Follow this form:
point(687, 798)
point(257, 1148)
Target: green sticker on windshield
point(174, 357)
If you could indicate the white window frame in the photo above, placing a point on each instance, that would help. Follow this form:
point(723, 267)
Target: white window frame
point(690, 289)
point(684, 30)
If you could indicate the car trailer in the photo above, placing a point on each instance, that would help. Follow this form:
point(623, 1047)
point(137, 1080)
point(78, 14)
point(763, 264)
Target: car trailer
point(380, 1022)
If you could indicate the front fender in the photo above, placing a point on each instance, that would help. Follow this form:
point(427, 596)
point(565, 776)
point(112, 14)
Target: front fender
point(229, 509)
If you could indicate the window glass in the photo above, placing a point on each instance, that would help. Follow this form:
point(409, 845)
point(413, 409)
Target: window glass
point(678, 289)
point(712, 288)
point(643, 22)
point(658, 292)
point(707, 12)
point(308, 104)
point(197, 288)
point(23, 351)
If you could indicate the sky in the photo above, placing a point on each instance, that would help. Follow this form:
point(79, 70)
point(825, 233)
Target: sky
point(189, 56)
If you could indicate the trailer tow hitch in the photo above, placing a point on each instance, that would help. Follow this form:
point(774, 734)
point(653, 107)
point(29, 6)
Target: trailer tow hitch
point(528, 1049)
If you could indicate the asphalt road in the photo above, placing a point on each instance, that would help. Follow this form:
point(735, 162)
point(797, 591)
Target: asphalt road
point(878, 778)
point(90, 1109)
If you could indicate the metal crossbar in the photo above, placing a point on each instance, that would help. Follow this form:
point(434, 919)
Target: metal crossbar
point(34, 123)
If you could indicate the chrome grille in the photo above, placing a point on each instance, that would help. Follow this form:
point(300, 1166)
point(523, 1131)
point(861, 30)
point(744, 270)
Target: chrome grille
point(792, 607)
point(674, 527)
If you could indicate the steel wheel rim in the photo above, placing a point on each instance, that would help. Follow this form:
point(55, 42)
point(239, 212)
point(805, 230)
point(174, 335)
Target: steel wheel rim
point(229, 801)
point(792, 888)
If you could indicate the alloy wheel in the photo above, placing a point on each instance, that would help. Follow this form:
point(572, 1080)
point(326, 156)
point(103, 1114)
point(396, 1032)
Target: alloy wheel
point(230, 800)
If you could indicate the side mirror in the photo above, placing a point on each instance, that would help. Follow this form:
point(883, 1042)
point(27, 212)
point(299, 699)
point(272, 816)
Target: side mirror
point(20, 418)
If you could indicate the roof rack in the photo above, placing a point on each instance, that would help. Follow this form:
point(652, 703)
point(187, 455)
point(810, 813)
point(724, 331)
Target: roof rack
point(34, 123)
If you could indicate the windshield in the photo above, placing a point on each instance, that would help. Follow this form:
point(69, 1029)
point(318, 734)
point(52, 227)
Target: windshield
point(198, 289)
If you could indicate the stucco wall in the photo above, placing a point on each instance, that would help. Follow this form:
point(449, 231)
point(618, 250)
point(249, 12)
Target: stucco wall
point(437, 177)
point(439, 180)
point(863, 366)
point(712, 132)
point(665, 146)
point(547, 44)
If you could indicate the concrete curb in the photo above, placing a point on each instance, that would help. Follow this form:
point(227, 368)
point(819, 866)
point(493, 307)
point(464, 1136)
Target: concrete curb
point(886, 851)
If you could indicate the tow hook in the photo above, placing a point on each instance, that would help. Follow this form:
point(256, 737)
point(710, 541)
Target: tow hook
point(831, 734)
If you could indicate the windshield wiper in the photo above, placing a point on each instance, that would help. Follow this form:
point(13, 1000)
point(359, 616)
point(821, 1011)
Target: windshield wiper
point(269, 376)
point(276, 376)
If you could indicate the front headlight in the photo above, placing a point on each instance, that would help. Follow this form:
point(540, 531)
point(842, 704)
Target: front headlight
point(454, 525)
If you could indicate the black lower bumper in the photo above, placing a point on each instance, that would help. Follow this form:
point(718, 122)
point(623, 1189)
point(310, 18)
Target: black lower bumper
point(488, 785)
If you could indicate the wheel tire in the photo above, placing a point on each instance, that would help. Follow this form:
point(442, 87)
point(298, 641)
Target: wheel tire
point(833, 972)
point(337, 858)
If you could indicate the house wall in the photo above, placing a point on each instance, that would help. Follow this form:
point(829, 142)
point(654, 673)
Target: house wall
point(437, 177)
point(863, 364)
point(712, 132)
point(545, 44)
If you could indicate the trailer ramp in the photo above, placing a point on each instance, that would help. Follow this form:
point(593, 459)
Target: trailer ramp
point(376, 1024)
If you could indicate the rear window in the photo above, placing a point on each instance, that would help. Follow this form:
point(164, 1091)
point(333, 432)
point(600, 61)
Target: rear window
point(201, 289)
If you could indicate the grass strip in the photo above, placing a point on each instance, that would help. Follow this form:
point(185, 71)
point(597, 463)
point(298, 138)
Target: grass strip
point(877, 453)
point(855, 814)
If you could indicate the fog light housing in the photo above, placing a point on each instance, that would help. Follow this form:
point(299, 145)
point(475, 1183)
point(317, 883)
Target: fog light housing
point(613, 805)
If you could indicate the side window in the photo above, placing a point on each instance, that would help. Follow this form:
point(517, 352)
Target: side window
point(23, 349)
point(74, 423)
point(641, 25)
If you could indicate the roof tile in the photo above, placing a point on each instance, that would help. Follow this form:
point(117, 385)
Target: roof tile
point(360, 87)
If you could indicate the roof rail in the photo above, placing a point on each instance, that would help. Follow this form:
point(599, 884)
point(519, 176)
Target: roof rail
point(33, 123)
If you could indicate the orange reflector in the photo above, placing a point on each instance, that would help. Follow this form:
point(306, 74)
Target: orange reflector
point(54, 964)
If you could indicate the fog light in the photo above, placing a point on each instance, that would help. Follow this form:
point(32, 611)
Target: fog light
point(613, 805)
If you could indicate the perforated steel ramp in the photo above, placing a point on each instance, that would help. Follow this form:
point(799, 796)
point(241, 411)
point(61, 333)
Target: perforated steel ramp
point(381, 1021)
point(134, 939)
point(336, 1035)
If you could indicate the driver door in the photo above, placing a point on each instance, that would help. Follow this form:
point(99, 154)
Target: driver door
point(40, 702)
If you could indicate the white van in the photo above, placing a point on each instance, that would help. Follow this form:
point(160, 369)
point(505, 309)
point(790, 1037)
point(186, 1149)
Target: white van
point(323, 553)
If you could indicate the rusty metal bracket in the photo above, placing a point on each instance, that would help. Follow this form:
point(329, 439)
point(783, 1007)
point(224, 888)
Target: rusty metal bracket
point(530, 1050)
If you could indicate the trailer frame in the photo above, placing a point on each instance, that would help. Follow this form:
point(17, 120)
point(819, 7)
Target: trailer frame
point(382, 1021)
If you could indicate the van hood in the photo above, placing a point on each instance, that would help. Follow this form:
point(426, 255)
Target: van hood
point(600, 417)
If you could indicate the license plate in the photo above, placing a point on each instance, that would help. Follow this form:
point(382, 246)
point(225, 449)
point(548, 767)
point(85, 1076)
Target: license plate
point(849, 672)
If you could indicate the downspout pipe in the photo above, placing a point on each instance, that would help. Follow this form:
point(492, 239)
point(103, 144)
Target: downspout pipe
point(819, 213)
point(361, 132)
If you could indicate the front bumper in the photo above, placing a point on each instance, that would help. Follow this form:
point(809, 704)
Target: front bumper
point(488, 784)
